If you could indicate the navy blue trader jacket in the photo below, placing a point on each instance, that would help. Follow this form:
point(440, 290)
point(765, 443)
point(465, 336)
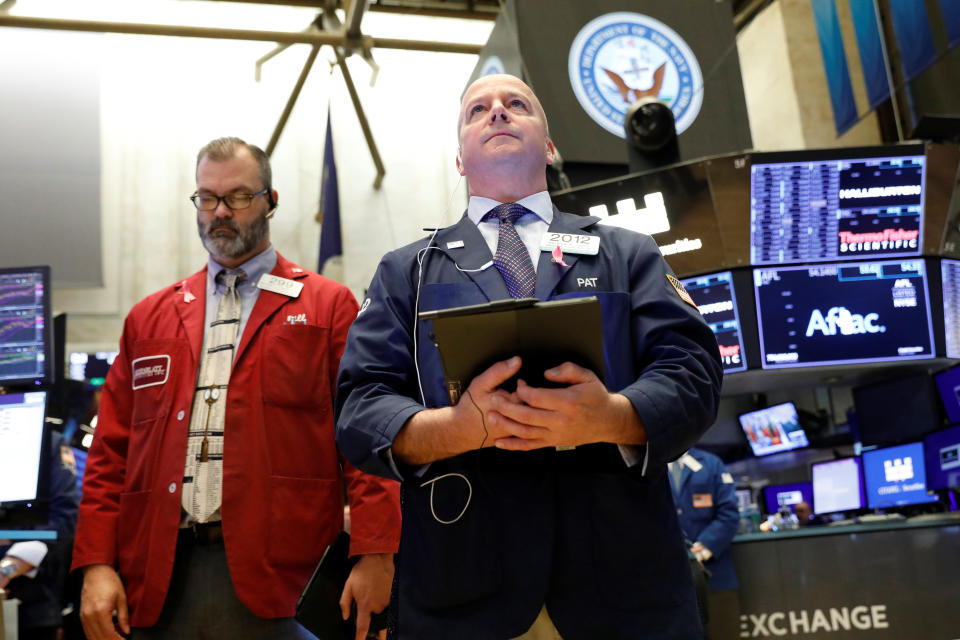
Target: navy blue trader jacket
point(707, 508)
point(491, 536)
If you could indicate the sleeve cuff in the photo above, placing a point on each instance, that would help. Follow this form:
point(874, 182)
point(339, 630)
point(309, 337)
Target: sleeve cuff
point(32, 552)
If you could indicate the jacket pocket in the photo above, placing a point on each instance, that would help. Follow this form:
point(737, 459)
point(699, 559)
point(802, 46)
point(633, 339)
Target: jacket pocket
point(448, 552)
point(295, 366)
point(155, 371)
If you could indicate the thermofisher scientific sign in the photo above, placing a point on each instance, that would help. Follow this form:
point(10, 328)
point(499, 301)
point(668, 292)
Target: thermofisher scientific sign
point(618, 58)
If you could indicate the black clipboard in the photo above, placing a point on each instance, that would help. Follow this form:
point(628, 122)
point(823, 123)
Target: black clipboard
point(318, 609)
point(543, 334)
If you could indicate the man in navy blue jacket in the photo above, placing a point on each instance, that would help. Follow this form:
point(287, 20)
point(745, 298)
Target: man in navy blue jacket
point(706, 500)
point(542, 508)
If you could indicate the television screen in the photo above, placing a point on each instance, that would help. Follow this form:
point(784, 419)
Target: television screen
point(948, 384)
point(773, 429)
point(843, 313)
point(813, 206)
point(837, 485)
point(25, 342)
point(902, 409)
point(714, 296)
point(895, 476)
point(776, 495)
point(942, 452)
point(950, 275)
point(23, 438)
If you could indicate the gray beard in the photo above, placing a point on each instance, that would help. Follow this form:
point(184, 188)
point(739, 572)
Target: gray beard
point(245, 240)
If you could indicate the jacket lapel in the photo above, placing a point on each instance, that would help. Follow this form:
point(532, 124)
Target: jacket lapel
point(268, 302)
point(473, 255)
point(550, 273)
point(190, 301)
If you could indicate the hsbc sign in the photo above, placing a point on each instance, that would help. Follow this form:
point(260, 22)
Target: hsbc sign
point(802, 622)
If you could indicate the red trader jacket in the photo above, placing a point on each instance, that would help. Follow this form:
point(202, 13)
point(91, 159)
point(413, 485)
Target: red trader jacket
point(283, 477)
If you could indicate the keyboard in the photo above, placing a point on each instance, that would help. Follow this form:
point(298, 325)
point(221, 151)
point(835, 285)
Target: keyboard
point(929, 517)
point(880, 517)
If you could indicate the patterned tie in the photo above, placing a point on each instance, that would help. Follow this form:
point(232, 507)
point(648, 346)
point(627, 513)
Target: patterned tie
point(204, 466)
point(512, 259)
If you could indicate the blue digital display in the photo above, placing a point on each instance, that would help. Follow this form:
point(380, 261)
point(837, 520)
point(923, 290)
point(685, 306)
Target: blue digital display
point(896, 476)
point(843, 313)
point(942, 451)
point(812, 209)
point(714, 296)
point(948, 384)
point(777, 495)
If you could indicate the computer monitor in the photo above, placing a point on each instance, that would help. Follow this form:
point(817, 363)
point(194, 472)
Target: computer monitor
point(773, 429)
point(778, 495)
point(896, 476)
point(950, 283)
point(91, 367)
point(831, 204)
point(744, 498)
point(24, 482)
point(898, 410)
point(713, 293)
point(26, 350)
point(837, 485)
point(948, 385)
point(942, 457)
point(843, 313)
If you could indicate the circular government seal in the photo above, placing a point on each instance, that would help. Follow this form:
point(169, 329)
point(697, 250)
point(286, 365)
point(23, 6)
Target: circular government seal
point(492, 65)
point(618, 58)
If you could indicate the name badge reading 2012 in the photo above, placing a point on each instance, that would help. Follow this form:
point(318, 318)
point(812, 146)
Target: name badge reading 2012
point(570, 243)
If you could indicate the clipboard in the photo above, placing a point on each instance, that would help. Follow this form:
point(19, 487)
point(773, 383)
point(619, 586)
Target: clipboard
point(543, 334)
point(318, 609)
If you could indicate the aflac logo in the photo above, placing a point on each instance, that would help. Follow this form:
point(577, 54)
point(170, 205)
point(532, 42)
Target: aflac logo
point(618, 58)
point(848, 323)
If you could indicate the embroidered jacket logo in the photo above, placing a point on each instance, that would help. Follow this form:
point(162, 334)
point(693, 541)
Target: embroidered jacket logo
point(842, 320)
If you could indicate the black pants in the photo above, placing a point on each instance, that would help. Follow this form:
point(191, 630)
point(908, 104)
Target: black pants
point(202, 605)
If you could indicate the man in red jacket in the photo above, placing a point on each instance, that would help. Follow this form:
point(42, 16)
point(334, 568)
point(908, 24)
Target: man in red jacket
point(214, 483)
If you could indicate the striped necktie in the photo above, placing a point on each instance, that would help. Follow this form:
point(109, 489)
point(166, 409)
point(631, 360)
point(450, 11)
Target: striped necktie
point(204, 465)
point(512, 259)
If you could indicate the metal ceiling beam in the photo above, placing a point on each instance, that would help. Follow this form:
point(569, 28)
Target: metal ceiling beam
point(292, 100)
point(316, 38)
point(461, 10)
point(362, 118)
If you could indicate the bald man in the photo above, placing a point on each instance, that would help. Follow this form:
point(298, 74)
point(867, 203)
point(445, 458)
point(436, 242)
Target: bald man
point(540, 512)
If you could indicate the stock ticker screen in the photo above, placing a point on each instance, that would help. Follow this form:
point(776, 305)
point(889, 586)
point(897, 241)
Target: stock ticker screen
point(950, 273)
point(825, 210)
point(714, 296)
point(23, 331)
point(843, 313)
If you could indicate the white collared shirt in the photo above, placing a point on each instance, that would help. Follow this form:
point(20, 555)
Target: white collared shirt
point(530, 227)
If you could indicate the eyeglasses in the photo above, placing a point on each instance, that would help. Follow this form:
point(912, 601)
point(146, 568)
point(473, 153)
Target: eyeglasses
point(232, 200)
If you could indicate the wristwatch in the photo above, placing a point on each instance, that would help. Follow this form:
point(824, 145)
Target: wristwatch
point(7, 569)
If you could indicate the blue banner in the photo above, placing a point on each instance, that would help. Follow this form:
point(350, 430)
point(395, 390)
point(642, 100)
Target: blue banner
point(835, 64)
point(914, 38)
point(331, 243)
point(871, 51)
point(951, 19)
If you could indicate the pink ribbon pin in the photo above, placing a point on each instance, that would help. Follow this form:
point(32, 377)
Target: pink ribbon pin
point(558, 256)
point(187, 296)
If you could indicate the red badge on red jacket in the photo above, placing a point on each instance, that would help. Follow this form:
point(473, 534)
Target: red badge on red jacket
point(150, 370)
